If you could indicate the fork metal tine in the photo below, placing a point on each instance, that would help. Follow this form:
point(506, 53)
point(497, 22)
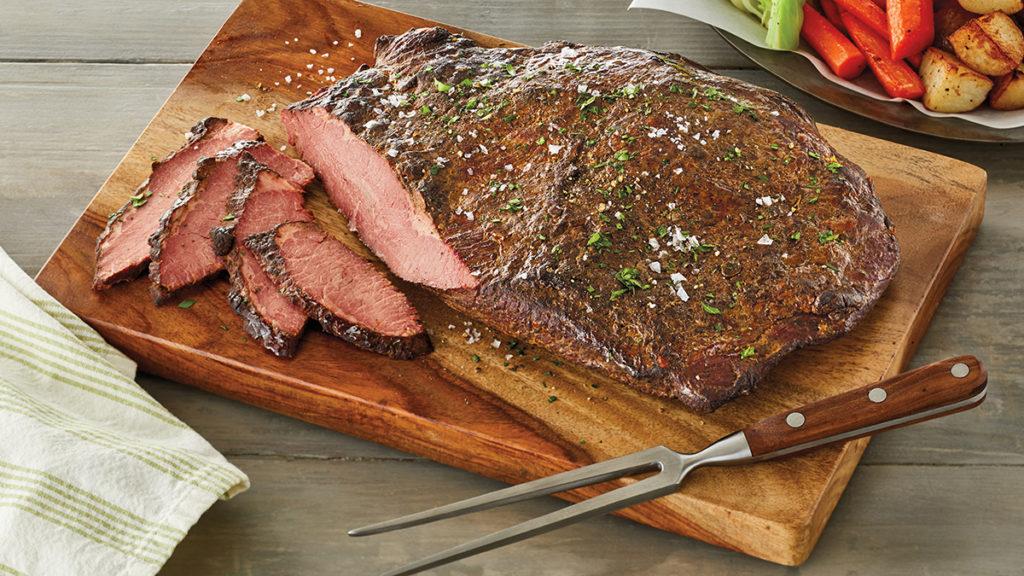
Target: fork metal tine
point(647, 489)
point(594, 474)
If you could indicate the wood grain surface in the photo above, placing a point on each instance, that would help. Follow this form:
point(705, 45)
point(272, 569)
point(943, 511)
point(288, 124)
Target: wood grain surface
point(943, 497)
point(891, 403)
point(483, 416)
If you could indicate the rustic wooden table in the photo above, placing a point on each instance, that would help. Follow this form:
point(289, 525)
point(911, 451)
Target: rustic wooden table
point(79, 81)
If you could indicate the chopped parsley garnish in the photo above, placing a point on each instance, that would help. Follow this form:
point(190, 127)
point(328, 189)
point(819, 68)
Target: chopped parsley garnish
point(541, 141)
point(513, 205)
point(599, 240)
point(710, 309)
point(140, 199)
point(426, 110)
point(794, 236)
point(833, 165)
point(552, 399)
point(585, 101)
point(510, 69)
point(228, 217)
point(747, 352)
point(733, 154)
point(812, 200)
point(713, 94)
point(814, 155)
point(186, 304)
point(622, 155)
point(475, 358)
point(629, 278)
point(572, 67)
point(827, 236)
point(661, 231)
point(441, 86)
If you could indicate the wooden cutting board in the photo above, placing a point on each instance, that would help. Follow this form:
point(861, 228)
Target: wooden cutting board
point(466, 405)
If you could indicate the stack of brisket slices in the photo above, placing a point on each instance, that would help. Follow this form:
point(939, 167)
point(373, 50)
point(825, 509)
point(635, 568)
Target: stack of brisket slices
point(229, 201)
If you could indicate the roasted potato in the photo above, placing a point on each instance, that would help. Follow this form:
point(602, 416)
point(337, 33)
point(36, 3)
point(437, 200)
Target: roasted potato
point(991, 44)
point(989, 6)
point(1008, 93)
point(950, 85)
point(949, 17)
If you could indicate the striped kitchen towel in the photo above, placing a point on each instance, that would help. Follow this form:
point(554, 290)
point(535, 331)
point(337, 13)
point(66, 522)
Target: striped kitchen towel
point(96, 477)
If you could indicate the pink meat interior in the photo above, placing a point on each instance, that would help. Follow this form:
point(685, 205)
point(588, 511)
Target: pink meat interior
point(127, 246)
point(272, 201)
point(292, 170)
point(187, 254)
point(343, 283)
point(264, 297)
point(389, 219)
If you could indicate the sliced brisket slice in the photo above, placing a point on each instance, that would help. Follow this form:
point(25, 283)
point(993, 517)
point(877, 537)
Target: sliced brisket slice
point(262, 199)
point(349, 297)
point(122, 249)
point(628, 210)
point(182, 251)
point(269, 317)
point(361, 183)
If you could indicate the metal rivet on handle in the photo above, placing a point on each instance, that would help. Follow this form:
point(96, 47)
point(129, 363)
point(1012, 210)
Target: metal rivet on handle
point(877, 395)
point(795, 420)
point(960, 370)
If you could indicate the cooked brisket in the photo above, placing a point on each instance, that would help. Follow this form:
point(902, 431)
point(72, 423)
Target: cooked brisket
point(182, 252)
point(122, 250)
point(626, 209)
point(262, 199)
point(349, 297)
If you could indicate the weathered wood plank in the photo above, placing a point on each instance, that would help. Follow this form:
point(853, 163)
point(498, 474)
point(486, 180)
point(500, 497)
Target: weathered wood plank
point(49, 171)
point(586, 21)
point(65, 127)
point(160, 31)
point(893, 520)
point(109, 30)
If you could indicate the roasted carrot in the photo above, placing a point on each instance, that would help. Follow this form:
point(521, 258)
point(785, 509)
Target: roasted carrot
point(915, 60)
point(831, 11)
point(838, 52)
point(881, 3)
point(911, 26)
point(896, 76)
point(867, 12)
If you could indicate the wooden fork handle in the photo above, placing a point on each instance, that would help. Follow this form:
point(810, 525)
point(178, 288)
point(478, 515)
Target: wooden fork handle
point(928, 392)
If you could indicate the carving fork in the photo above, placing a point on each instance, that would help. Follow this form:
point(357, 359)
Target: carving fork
point(928, 392)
